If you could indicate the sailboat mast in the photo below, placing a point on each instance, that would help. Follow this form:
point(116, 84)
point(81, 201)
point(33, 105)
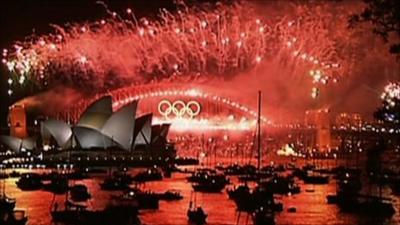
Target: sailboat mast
point(259, 131)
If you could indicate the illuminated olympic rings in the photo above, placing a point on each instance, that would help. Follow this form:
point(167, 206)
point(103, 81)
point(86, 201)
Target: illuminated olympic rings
point(179, 108)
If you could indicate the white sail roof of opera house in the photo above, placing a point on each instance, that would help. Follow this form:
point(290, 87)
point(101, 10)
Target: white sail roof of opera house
point(98, 127)
point(96, 114)
point(143, 130)
point(59, 130)
point(88, 138)
point(17, 144)
point(159, 133)
point(120, 126)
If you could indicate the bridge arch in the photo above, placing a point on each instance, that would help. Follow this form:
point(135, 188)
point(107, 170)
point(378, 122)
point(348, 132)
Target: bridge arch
point(211, 102)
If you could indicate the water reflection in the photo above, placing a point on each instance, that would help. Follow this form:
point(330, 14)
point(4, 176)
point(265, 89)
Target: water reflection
point(311, 205)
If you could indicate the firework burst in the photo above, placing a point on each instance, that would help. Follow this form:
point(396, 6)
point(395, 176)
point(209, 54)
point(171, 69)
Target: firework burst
point(193, 42)
point(391, 95)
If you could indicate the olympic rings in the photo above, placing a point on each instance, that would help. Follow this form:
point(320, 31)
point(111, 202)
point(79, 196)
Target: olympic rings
point(179, 108)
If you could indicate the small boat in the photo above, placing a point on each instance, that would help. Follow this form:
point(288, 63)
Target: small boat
point(204, 175)
point(280, 185)
point(316, 179)
point(347, 189)
point(257, 199)
point(257, 176)
point(78, 214)
point(14, 217)
point(14, 174)
point(79, 193)
point(9, 215)
point(242, 191)
point(152, 174)
point(3, 175)
point(375, 205)
point(196, 214)
point(77, 175)
point(210, 186)
point(141, 199)
point(6, 204)
point(263, 217)
point(236, 169)
point(291, 210)
point(170, 195)
point(29, 182)
point(57, 185)
point(115, 183)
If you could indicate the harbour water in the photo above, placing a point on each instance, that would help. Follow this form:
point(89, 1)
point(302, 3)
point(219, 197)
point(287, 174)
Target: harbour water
point(311, 204)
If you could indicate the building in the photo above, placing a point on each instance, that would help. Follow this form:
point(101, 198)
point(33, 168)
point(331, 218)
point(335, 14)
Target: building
point(17, 121)
point(348, 120)
point(98, 128)
point(320, 120)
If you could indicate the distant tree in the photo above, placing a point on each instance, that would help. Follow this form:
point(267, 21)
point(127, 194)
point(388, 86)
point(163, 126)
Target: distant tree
point(385, 18)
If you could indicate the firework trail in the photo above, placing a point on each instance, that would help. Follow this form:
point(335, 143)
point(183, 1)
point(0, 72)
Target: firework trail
point(193, 42)
point(302, 55)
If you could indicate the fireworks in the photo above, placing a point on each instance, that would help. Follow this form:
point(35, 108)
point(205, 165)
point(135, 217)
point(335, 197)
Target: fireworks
point(314, 92)
point(219, 43)
point(391, 95)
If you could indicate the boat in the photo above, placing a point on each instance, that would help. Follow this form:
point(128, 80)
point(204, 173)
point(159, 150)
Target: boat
point(263, 216)
point(169, 169)
point(119, 180)
point(140, 199)
point(350, 200)
point(9, 215)
point(3, 175)
point(280, 185)
point(77, 175)
point(77, 214)
point(13, 217)
point(196, 214)
point(57, 185)
point(152, 174)
point(29, 182)
point(79, 193)
point(6, 203)
point(203, 175)
point(255, 199)
point(311, 178)
point(347, 190)
point(14, 174)
point(242, 191)
point(236, 169)
point(170, 195)
point(209, 185)
point(257, 176)
point(115, 183)
point(375, 205)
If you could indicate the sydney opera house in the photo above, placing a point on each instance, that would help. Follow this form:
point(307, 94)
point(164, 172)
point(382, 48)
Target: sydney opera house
point(99, 128)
